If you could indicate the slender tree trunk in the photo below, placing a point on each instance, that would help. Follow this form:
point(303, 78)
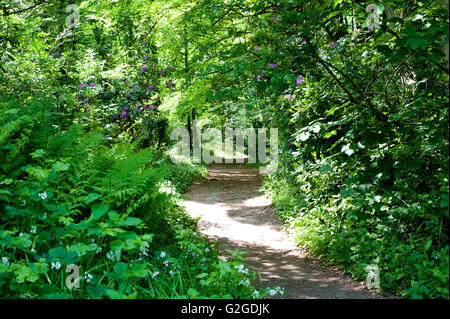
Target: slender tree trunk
point(187, 81)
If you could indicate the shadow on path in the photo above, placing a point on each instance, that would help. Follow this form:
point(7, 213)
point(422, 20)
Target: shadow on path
point(233, 211)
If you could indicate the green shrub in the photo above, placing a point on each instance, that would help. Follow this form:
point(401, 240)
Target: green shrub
point(70, 197)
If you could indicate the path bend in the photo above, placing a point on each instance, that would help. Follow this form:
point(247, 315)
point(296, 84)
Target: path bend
point(234, 212)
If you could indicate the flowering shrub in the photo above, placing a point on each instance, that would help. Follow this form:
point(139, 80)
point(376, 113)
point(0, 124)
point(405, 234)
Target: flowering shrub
point(128, 106)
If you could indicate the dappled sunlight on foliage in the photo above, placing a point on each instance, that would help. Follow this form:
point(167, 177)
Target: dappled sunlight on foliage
point(90, 93)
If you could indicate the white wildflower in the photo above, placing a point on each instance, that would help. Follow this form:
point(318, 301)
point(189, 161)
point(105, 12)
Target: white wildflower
point(56, 265)
point(33, 229)
point(156, 273)
point(88, 277)
point(43, 195)
point(171, 272)
point(163, 254)
point(5, 261)
point(143, 251)
point(245, 282)
point(241, 269)
point(272, 292)
point(110, 255)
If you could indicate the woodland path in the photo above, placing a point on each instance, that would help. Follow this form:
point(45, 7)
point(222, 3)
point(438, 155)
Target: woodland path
point(234, 212)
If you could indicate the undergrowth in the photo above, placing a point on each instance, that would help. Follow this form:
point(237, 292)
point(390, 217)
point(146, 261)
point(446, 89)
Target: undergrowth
point(71, 197)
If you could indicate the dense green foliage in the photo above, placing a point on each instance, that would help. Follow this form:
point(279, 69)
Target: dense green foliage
point(71, 197)
point(362, 113)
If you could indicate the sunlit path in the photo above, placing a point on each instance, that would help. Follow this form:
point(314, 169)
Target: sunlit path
point(233, 211)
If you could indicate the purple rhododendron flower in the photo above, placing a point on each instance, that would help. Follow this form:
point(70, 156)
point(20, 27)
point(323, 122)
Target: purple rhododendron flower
point(151, 87)
point(287, 96)
point(115, 117)
point(144, 68)
point(258, 48)
point(86, 100)
point(92, 85)
point(160, 72)
point(57, 54)
point(127, 95)
point(151, 107)
point(125, 81)
point(144, 107)
point(259, 76)
point(170, 83)
point(82, 85)
point(136, 87)
point(139, 110)
point(274, 18)
point(169, 68)
point(145, 57)
point(123, 114)
point(272, 65)
point(300, 80)
point(126, 108)
point(371, 27)
point(333, 44)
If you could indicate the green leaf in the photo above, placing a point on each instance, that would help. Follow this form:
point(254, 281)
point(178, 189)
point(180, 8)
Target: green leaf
point(91, 197)
point(132, 221)
point(37, 154)
point(330, 134)
point(98, 210)
point(117, 244)
point(119, 268)
point(428, 244)
point(59, 166)
point(415, 43)
point(24, 273)
point(7, 181)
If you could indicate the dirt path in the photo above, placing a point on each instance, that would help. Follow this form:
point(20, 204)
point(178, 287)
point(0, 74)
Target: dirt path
point(234, 212)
